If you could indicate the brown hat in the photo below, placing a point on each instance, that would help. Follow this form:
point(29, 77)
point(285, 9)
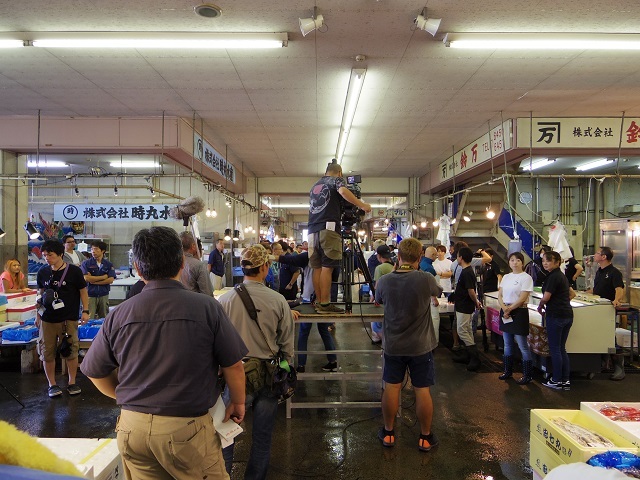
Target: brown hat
point(255, 256)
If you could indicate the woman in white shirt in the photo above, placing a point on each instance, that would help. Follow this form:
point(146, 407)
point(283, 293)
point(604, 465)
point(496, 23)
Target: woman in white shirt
point(513, 296)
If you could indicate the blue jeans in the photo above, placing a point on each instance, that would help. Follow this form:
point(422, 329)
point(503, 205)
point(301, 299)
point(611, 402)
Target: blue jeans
point(509, 343)
point(327, 339)
point(265, 408)
point(557, 334)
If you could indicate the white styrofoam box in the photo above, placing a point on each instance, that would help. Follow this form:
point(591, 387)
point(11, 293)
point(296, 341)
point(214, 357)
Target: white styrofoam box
point(98, 459)
point(623, 338)
point(537, 476)
point(630, 431)
point(21, 314)
point(20, 298)
point(565, 447)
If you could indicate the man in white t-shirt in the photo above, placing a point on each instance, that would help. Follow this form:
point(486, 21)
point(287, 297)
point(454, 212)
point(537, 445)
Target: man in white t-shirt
point(71, 256)
point(442, 266)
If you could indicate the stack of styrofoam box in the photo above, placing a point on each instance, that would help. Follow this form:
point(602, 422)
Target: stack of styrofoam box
point(623, 338)
point(97, 459)
point(21, 306)
point(551, 446)
point(630, 431)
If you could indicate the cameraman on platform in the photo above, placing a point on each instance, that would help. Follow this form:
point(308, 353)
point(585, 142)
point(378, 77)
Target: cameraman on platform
point(325, 240)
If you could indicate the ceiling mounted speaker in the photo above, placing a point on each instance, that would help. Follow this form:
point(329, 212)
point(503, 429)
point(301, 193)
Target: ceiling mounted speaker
point(308, 25)
point(430, 25)
point(208, 10)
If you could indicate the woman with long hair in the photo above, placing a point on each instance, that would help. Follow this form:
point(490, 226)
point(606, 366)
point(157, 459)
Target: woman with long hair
point(13, 280)
point(513, 296)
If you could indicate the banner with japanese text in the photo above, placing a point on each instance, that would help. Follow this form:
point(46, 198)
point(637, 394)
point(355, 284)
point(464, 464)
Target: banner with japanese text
point(212, 159)
point(111, 212)
point(492, 143)
point(595, 132)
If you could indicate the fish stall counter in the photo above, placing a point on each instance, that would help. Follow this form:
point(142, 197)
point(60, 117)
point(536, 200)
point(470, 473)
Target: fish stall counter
point(592, 333)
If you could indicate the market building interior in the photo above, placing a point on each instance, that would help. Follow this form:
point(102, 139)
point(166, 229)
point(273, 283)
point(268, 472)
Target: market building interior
point(500, 120)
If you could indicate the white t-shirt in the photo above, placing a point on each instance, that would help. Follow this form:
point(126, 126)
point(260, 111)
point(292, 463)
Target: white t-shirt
point(443, 266)
point(513, 284)
point(75, 257)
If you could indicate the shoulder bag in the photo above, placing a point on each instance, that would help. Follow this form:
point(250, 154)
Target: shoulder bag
point(276, 372)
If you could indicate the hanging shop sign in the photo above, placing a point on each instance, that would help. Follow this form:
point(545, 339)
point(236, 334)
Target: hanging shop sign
point(110, 212)
point(212, 159)
point(594, 132)
point(492, 143)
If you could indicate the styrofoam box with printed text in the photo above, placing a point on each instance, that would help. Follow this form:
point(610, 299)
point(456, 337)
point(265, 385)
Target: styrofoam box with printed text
point(623, 338)
point(98, 459)
point(563, 445)
point(627, 430)
point(20, 298)
point(21, 314)
point(541, 459)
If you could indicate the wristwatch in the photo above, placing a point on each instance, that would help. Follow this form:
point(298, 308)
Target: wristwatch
point(85, 311)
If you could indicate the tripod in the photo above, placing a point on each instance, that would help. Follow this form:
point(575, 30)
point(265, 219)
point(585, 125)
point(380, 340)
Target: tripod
point(348, 268)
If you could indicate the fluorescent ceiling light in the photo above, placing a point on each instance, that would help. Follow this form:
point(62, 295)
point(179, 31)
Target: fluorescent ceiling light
point(143, 40)
point(11, 43)
point(353, 95)
point(539, 163)
point(544, 41)
point(306, 205)
point(595, 164)
point(46, 164)
point(135, 164)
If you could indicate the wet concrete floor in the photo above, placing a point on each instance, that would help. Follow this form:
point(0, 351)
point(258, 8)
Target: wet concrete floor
point(482, 422)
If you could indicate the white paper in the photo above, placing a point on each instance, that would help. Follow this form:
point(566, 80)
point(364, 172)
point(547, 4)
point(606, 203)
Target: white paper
point(227, 430)
point(331, 226)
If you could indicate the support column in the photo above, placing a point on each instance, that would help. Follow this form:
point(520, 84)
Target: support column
point(14, 208)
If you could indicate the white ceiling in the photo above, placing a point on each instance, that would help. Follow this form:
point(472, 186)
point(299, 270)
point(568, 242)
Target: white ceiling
point(279, 111)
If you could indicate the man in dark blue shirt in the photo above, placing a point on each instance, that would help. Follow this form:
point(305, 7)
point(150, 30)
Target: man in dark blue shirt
point(99, 275)
point(216, 264)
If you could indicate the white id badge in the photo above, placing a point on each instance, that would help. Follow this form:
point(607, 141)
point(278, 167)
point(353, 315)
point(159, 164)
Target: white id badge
point(331, 226)
point(507, 320)
point(57, 304)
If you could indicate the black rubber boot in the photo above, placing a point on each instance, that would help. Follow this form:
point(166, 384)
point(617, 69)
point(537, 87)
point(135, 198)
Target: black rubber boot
point(618, 367)
point(508, 367)
point(527, 373)
point(474, 359)
point(460, 356)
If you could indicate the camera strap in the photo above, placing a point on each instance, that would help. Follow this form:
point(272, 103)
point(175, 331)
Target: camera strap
point(64, 274)
point(243, 293)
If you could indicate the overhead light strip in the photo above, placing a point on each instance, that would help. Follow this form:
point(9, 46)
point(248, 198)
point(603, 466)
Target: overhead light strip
point(542, 162)
point(46, 164)
point(543, 41)
point(595, 164)
point(356, 81)
point(144, 40)
point(135, 164)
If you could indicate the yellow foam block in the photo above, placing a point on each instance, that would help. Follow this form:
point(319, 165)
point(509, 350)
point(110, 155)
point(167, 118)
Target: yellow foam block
point(541, 459)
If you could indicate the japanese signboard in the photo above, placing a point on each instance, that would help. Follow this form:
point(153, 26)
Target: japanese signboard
point(596, 132)
point(110, 212)
point(492, 143)
point(212, 159)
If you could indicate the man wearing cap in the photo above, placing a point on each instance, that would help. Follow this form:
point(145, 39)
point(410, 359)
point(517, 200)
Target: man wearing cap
point(383, 254)
point(158, 355)
point(276, 322)
point(325, 240)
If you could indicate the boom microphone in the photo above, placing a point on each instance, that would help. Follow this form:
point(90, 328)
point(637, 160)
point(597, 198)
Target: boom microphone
point(186, 209)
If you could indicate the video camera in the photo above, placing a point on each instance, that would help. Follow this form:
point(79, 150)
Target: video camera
point(349, 213)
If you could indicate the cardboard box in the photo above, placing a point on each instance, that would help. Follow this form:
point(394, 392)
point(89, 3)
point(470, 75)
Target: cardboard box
point(630, 431)
point(541, 459)
point(565, 447)
point(623, 338)
point(21, 313)
point(98, 459)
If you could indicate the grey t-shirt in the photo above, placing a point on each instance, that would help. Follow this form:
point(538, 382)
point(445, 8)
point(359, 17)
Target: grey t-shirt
point(406, 297)
point(457, 269)
point(168, 343)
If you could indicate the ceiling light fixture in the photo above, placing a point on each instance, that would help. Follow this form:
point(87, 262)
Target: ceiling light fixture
point(429, 25)
point(47, 164)
point(31, 230)
point(236, 235)
point(435, 223)
point(543, 41)
point(490, 213)
point(423, 224)
point(595, 164)
point(308, 25)
point(353, 95)
point(135, 164)
point(154, 40)
point(453, 220)
point(542, 162)
point(11, 43)
point(227, 234)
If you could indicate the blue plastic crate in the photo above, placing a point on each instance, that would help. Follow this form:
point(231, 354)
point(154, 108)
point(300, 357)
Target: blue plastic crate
point(89, 330)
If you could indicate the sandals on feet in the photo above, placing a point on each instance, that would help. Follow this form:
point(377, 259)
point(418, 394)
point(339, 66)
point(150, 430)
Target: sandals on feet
point(388, 438)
